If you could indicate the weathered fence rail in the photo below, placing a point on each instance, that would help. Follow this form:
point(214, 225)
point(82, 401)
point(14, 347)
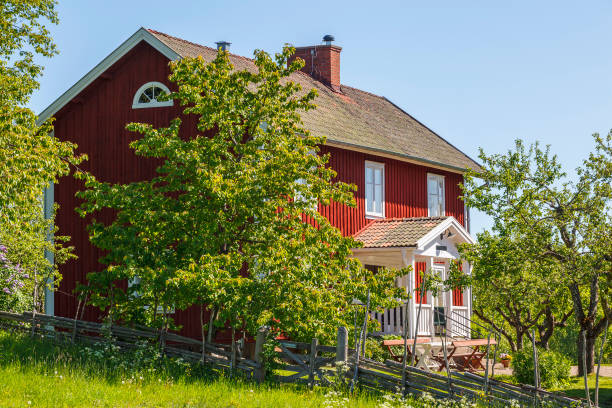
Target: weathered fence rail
point(309, 363)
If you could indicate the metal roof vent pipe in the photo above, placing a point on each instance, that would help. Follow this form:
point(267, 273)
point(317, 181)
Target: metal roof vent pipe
point(328, 39)
point(223, 45)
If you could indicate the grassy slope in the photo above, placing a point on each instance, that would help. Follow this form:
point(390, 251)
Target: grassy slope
point(21, 387)
point(40, 374)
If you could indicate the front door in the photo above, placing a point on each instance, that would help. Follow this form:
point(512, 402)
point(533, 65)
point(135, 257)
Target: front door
point(439, 302)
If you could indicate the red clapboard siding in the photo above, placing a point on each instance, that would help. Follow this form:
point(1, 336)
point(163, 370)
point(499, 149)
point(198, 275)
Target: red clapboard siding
point(96, 121)
point(420, 268)
point(458, 293)
point(405, 189)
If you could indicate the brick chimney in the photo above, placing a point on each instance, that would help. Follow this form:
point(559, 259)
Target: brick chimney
point(322, 62)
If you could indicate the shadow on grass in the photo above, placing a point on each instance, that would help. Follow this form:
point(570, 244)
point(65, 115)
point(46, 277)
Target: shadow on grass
point(576, 389)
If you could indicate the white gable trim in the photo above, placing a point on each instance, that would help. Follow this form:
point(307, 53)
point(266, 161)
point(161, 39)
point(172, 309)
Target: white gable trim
point(140, 35)
point(451, 223)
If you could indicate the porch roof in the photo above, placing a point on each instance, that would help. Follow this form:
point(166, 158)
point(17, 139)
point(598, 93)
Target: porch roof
point(397, 232)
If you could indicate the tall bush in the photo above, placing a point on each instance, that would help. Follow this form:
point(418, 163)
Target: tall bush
point(554, 367)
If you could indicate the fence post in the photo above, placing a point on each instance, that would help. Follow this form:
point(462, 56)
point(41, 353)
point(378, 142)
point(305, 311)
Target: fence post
point(260, 339)
point(313, 359)
point(342, 345)
point(486, 384)
point(536, 372)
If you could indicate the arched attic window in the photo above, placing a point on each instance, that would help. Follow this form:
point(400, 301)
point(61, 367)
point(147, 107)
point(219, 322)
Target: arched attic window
point(146, 96)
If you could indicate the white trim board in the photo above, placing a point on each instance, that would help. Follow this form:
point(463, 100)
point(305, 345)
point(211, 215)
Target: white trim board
point(450, 222)
point(141, 35)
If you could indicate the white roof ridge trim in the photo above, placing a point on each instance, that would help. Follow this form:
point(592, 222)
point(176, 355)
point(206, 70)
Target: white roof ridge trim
point(141, 34)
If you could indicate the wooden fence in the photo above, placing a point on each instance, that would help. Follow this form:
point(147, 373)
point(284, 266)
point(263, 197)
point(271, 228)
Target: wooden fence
point(296, 362)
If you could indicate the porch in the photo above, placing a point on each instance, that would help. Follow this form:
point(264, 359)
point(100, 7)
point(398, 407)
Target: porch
point(428, 245)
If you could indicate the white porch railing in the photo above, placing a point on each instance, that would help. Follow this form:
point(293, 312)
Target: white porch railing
point(459, 322)
point(391, 321)
point(425, 320)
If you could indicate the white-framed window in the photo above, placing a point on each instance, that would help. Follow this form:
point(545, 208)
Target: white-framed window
point(135, 280)
point(310, 203)
point(435, 195)
point(374, 189)
point(147, 95)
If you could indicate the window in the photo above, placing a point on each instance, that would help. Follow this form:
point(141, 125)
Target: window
point(146, 96)
point(299, 196)
point(375, 189)
point(135, 280)
point(435, 195)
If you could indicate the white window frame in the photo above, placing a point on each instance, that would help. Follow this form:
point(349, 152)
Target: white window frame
point(160, 309)
point(153, 104)
point(439, 179)
point(374, 166)
point(311, 204)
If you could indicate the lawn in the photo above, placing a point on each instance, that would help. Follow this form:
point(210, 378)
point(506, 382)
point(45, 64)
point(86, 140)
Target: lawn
point(576, 389)
point(38, 373)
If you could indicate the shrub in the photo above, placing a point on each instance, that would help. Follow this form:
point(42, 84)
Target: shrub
point(554, 367)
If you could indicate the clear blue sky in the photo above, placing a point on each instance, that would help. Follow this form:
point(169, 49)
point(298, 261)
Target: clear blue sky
point(481, 74)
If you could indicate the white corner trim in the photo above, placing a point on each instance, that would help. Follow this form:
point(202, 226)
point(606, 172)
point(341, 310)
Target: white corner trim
point(153, 104)
point(49, 200)
point(140, 35)
point(450, 222)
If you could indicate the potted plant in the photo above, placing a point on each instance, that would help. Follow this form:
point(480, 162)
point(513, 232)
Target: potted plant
point(505, 359)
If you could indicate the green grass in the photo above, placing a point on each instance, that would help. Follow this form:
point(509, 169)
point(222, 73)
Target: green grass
point(39, 373)
point(576, 389)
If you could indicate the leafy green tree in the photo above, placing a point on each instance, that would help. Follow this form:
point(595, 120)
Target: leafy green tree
point(529, 196)
point(515, 290)
point(231, 219)
point(29, 158)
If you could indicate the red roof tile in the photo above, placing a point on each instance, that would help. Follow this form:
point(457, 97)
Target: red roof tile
point(396, 232)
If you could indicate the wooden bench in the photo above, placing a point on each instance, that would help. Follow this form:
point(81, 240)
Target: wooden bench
point(469, 360)
point(400, 342)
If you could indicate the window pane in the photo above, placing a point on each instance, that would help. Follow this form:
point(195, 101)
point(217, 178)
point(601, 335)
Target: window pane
point(432, 185)
point(149, 93)
point(378, 198)
point(369, 175)
point(369, 197)
point(378, 176)
point(143, 98)
point(433, 204)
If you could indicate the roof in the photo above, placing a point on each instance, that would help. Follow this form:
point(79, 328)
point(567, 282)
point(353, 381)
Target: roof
point(397, 232)
point(355, 119)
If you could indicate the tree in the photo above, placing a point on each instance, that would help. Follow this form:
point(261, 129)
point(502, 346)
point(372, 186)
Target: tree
point(515, 290)
point(529, 196)
point(231, 219)
point(29, 158)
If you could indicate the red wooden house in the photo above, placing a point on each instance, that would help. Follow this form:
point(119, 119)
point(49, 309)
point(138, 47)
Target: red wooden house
point(408, 207)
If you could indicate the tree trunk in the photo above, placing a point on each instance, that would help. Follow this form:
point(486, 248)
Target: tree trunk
point(211, 325)
point(590, 353)
point(519, 339)
point(203, 333)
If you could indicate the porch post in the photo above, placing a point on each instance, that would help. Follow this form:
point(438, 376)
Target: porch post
point(432, 331)
point(409, 261)
point(468, 299)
